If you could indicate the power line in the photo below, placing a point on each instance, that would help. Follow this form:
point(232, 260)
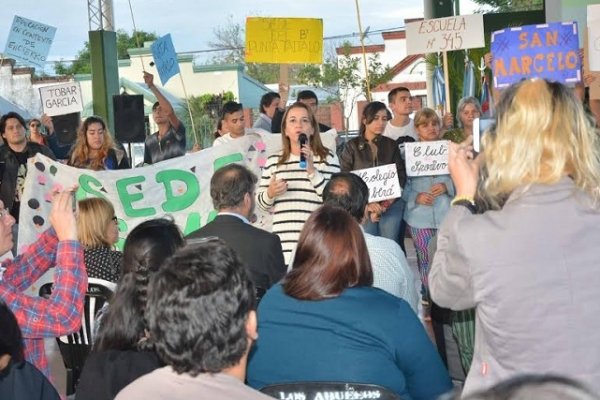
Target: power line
point(205, 51)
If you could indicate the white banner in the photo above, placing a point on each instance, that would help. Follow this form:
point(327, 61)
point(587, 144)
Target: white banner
point(61, 99)
point(445, 34)
point(382, 182)
point(593, 44)
point(426, 158)
point(179, 187)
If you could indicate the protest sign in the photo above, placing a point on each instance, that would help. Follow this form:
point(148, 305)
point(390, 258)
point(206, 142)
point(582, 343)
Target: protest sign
point(593, 44)
point(426, 158)
point(382, 182)
point(594, 86)
point(61, 99)
point(29, 41)
point(445, 34)
point(179, 187)
point(165, 58)
point(284, 40)
point(549, 51)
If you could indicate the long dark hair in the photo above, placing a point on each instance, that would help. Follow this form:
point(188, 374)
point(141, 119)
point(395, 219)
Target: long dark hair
point(11, 340)
point(331, 257)
point(368, 115)
point(146, 248)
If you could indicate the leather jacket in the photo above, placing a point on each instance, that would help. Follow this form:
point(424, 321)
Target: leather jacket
point(357, 155)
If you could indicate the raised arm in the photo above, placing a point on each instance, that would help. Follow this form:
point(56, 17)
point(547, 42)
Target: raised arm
point(165, 104)
point(61, 312)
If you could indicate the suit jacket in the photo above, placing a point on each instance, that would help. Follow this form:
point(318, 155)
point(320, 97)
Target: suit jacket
point(258, 249)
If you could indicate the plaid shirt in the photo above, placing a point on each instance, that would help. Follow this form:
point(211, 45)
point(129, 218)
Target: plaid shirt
point(58, 315)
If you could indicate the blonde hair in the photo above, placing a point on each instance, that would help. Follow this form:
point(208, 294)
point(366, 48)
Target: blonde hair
point(541, 135)
point(426, 115)
point(80, 155)
point(95, 215)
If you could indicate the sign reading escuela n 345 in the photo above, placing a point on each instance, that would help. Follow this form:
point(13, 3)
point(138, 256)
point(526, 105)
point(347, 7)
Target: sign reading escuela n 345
point(445, 34)
point(284, 40)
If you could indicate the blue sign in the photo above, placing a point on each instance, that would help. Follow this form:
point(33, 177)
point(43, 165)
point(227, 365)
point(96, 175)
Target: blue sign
point(165, 58)
point(549, 51)
point(29, 41)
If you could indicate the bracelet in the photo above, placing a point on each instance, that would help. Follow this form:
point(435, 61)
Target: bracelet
point(468, 199)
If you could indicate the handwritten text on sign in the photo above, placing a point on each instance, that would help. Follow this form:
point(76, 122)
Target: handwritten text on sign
point(549, 51)
point(445, 34)
point(61, 99)
point(165, 58)
point(593, 47)
point(284, 40)
point(382, 182)
point(426, 158)
point(29, 41)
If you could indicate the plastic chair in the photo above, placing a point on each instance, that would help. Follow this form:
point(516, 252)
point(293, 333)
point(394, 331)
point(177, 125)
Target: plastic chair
point(328, 390)
point(74, 348)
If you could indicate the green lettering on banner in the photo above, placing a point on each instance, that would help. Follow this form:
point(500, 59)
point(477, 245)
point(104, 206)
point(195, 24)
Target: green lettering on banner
point(192, 223)
point(211, 215)
point(183, 201)
point(229, 159)
point(84, 187)
point(128, 198)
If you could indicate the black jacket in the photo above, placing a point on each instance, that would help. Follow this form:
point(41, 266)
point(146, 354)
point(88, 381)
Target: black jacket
point(258, 249)
point(9, 168)
point(357, 155)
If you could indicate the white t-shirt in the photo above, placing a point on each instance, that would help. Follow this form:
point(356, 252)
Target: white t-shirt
point(394, 132)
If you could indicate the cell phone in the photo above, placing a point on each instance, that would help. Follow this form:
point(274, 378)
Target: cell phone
point(480, 126)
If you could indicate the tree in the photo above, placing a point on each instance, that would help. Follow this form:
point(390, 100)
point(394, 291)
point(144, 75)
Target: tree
point(205, 110)
point(343, 79)
point(511, 5)
point(82, 63)
point(229, 39)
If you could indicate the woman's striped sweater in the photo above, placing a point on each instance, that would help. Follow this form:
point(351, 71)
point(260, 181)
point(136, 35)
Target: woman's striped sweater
point(303, 196)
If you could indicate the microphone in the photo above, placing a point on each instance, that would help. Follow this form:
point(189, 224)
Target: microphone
point(302, 139)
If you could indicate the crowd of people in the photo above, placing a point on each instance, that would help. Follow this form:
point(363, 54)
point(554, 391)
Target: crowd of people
point(504, 247)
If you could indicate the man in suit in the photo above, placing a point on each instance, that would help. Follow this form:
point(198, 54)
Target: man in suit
point(232, 191)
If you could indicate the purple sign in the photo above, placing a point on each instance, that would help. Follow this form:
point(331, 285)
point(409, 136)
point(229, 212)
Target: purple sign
point(549, 51)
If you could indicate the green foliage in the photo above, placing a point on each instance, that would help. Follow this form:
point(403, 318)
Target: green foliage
point(82, 63)
point(456, 135)
point(511, 5)
point(205, 110)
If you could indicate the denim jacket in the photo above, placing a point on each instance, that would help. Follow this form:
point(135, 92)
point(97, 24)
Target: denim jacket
point(421, 216)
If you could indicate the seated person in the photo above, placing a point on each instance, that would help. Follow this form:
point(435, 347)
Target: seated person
point(202, 321)
point(60, 313)
point(98, 231)
point(122, 351)
point(320, 323)
point(18, 378)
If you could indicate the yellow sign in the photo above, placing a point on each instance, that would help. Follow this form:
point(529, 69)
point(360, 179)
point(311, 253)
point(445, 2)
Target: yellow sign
point(284, 40)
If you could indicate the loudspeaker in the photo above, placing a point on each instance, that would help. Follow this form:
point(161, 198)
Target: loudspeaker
point(129, 119)
point(66, 126)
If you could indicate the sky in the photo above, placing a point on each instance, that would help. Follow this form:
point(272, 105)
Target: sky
point(191, 22)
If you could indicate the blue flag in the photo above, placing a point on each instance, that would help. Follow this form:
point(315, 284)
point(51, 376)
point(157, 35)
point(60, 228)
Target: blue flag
point(165, 58)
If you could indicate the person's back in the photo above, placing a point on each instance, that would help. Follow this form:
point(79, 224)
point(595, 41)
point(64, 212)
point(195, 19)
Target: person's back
point(543, 268)
point(343, 339)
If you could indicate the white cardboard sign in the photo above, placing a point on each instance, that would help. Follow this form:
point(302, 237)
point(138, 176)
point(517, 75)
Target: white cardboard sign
point(382, 182)
point(445, 34)
point(426, 158)
point(593, 24)
point(61, 99)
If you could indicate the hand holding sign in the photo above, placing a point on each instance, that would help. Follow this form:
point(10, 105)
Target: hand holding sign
point(165, 58)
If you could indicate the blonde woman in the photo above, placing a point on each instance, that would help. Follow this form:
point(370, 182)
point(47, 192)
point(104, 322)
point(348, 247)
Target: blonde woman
point(98, 231)
point(95, 149)
point(293, 191)
point(529, 262)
